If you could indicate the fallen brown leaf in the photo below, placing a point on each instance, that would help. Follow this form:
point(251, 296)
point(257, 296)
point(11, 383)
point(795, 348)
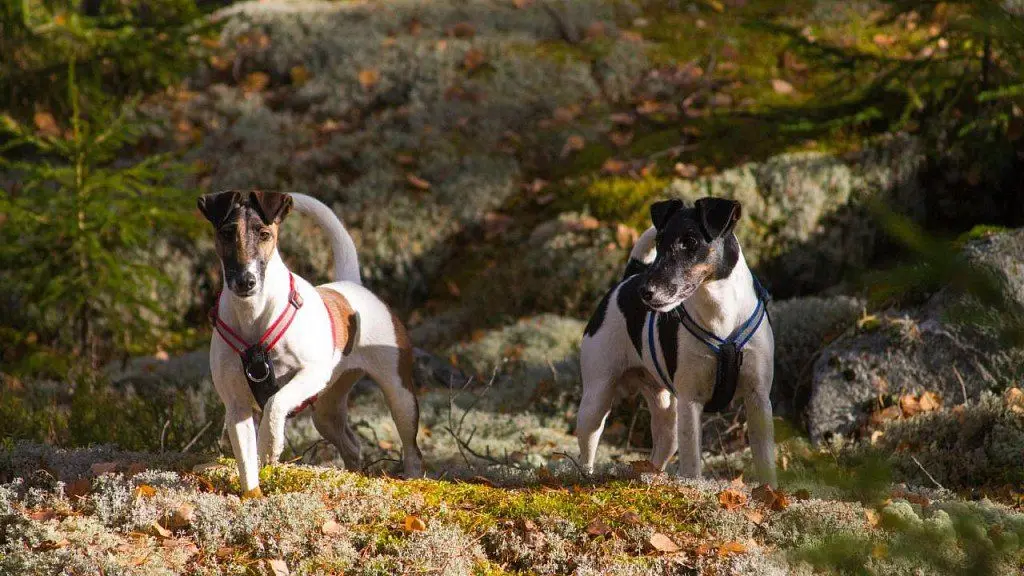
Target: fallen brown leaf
point(46, 124)
point(613, 166)
point(417, 182)
point(630, 517)
point(685, 170)
point(909, 405)
point(278, 567)
point(224, 552)
point(781, 86)
point(101, 468)
point(662, 543)
point(886, 415)
point(78, 489)
point(368, 78)
point(331, 528)
point(462, 30)
point(300, 75)
point(144, 491)
point(181, 517)
point(414, 524)
point(573, 143)
point(871, 516)
point(255, 82)
point(1014, 398)
point(754, 516)
point(883, 40)
point(773, 499)
point(802, 494)
point(731, 547)
point(622, 118)
point(473, 59)
point(42, 515)
point(595, 30)
point(597, 527)
point(642, 467)
point(731, 499)
point(156, 529)
point(929, 401)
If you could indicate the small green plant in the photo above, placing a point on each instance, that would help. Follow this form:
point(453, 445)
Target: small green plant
point(79, 222)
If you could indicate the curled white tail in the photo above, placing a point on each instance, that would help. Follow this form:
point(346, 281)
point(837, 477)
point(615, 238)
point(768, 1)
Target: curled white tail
point(643, 249)
point(346, 261)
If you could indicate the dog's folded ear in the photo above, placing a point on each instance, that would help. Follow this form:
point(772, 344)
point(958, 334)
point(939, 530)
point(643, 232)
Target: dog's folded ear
point(217, 207)
point(272, 206)
point(662, 211)
point(717, 216)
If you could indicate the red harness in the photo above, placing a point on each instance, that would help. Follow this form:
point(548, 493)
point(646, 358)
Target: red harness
point(269, 338)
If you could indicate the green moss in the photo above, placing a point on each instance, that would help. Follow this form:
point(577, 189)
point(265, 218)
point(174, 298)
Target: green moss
point(619, 199)
point(978, 232)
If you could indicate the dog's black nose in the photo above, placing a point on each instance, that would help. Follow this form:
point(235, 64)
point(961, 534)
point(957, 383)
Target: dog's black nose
point(248, 281)
point(646, 293)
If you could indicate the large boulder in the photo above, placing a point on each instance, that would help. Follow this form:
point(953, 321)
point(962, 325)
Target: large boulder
point(802, 328)
point(806, 220)
point(944, 345)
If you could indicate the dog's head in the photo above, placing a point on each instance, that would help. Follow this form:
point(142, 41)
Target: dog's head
point(694, 245)
point(246, 225)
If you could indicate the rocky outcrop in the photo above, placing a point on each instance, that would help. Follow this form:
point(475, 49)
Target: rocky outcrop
point(805, 219)
point(949, 345)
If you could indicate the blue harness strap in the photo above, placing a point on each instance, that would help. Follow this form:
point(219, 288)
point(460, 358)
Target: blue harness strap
point(728, 351)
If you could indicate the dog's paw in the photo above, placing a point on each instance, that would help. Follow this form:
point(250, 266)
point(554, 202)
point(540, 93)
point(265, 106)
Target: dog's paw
point(252, 494)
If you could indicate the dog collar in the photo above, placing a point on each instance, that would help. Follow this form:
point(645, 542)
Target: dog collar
point(728, 351)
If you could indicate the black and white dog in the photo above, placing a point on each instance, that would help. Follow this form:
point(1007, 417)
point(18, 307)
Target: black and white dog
point(686, 326)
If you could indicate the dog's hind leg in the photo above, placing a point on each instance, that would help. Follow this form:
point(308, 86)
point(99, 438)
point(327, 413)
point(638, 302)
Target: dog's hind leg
point(391, 367)
point(330, 417)
point(594, 409)
point(662, 405)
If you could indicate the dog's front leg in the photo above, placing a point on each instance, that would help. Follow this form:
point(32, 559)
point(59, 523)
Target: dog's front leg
point(760, 427)
point(238, 417)
point(302, 387)
point(689, 412)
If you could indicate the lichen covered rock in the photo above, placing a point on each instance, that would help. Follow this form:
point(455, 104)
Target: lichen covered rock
point(939, 346)
point(805, 220)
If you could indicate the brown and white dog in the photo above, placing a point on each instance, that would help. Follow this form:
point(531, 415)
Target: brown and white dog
point(281, 344)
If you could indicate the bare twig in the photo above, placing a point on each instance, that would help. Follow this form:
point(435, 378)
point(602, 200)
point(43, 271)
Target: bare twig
point(372, 463)
point(963, 387)
point(163, 435)
point(310, 448)
point(579, 468)
point(926, 473)
point(196, 437)
point(455, 430)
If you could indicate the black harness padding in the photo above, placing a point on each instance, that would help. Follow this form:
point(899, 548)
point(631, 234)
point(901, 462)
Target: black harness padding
point(727, 376)
point(258, 366)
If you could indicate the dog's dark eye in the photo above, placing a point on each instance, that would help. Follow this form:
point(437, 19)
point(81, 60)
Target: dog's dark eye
point(689, 242)
point(265, 235)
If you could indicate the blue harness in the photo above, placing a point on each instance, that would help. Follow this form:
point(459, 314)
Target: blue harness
point(728, 351)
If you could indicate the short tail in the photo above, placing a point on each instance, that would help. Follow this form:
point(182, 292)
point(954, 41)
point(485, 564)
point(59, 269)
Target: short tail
point(642, 254)
point(346, 261)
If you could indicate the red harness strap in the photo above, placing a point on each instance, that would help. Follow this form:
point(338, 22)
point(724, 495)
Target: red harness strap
point(272, 335)
point(238, 344)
